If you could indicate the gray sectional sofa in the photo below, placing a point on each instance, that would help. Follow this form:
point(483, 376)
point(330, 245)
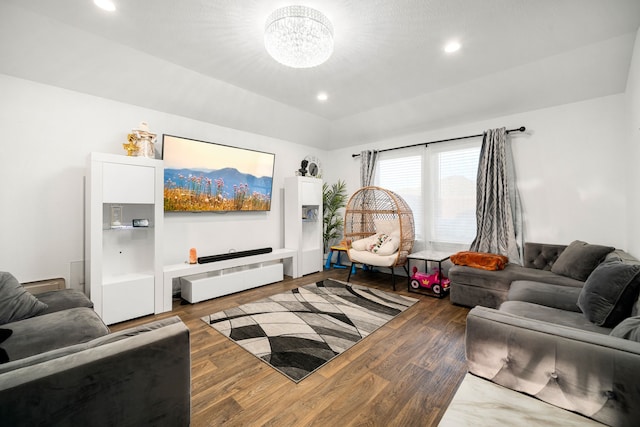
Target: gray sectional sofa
point(567, 334)
point(60, 365)
point(472, 286)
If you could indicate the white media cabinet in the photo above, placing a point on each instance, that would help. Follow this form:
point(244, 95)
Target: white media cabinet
point(214, 279)
point(123, 263)
point(303, 217)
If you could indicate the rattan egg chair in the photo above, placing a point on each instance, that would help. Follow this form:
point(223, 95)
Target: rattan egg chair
point(368, 211)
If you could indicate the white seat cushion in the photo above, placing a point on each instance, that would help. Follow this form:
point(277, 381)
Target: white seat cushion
point(379, 244)
point(366, 257)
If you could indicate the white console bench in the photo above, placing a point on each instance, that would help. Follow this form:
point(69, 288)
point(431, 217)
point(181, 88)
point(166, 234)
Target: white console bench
point(214, 279)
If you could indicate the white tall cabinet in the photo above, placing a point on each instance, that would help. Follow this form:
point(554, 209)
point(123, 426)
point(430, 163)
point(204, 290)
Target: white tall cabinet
point(123, 262)
point(303, 222)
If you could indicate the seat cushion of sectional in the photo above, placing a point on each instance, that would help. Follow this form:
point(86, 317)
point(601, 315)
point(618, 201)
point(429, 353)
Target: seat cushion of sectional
point(556, 296)
point(556, 316)
point(51, 331)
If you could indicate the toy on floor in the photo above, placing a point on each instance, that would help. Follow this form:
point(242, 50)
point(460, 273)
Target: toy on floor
point(429, 281)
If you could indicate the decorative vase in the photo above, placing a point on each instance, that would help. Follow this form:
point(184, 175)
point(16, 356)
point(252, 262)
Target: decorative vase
point(143, 140)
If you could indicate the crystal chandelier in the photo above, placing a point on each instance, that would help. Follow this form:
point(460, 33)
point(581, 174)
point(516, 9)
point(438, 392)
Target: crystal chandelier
point(298, 36)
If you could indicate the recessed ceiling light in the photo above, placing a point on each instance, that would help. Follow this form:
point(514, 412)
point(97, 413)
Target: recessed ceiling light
point(107, 5)
point(452, 47)
point(322, 96)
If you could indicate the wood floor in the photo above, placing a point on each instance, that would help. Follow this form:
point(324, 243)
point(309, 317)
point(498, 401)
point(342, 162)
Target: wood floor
point(404, 374)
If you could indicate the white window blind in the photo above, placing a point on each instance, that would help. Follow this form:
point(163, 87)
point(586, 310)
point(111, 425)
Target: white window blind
point(402, 174)
point(439, 184)
point(453, 171)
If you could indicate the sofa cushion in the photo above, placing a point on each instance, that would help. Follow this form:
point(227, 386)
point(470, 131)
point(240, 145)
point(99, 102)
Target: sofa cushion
point(502, 279)
point(622, 256)
point(541, 255)
point(16, 303)
point(387, 226)
point(628, 329)
point(579, 259)
point(551, 315)
point(610, 292)
point(64, 299)
point(51, 331)
point(556, 296)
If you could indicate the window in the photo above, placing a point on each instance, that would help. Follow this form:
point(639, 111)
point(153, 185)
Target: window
point(453, 170)
point(439, 183)
point(401, 172)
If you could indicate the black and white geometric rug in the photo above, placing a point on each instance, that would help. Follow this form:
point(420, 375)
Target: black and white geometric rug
point(298, 331)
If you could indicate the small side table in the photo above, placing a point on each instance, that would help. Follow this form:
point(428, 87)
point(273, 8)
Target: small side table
point(434, 284)
point(340, 249)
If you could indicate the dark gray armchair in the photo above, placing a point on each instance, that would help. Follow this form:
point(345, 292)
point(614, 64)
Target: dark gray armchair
point(135, 377)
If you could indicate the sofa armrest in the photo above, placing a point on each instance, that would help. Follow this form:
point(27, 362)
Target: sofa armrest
point(592, 374)
point(138, 376)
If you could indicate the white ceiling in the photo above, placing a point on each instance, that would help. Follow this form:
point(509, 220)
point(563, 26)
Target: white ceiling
point(388, 74)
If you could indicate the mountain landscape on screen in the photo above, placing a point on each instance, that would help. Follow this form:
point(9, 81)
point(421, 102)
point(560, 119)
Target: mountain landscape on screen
point(215, 190)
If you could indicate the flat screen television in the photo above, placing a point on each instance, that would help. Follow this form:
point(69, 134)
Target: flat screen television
point(203, 176)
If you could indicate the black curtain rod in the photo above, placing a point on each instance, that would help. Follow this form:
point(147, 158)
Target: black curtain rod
point(520, 129)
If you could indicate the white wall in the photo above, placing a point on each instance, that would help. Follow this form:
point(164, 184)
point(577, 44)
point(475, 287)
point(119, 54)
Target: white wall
point(633, 159)
point(569, 166)
point(47, 134)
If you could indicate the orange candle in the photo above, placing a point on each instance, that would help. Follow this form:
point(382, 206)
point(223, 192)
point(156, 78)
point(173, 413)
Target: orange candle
point(193, 257)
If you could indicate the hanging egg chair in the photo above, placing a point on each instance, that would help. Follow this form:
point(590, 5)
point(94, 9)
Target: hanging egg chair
point(378, 229)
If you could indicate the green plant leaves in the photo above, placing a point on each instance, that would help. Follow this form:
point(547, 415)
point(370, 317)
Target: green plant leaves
point(334, 198)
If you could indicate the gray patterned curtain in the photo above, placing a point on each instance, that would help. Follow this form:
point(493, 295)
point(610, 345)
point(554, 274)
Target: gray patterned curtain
point(498, 208)
point(367, 166)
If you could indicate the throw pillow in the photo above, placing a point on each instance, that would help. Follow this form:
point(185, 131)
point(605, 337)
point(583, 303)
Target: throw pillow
point(15, 302)
point(390, 246)
point(628, 329)
point(380, 240)
point(610, 292)
point(579, 259)
point(482, 260)
point(386, 226)
point(363, 244)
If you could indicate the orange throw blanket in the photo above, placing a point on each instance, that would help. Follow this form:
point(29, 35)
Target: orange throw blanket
point(481, 260)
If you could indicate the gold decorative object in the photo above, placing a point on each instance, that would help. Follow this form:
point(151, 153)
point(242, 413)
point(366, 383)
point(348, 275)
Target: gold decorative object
point(131, 147)
point(143, 141)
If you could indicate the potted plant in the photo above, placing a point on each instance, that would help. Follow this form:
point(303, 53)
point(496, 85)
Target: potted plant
point(334, 198)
